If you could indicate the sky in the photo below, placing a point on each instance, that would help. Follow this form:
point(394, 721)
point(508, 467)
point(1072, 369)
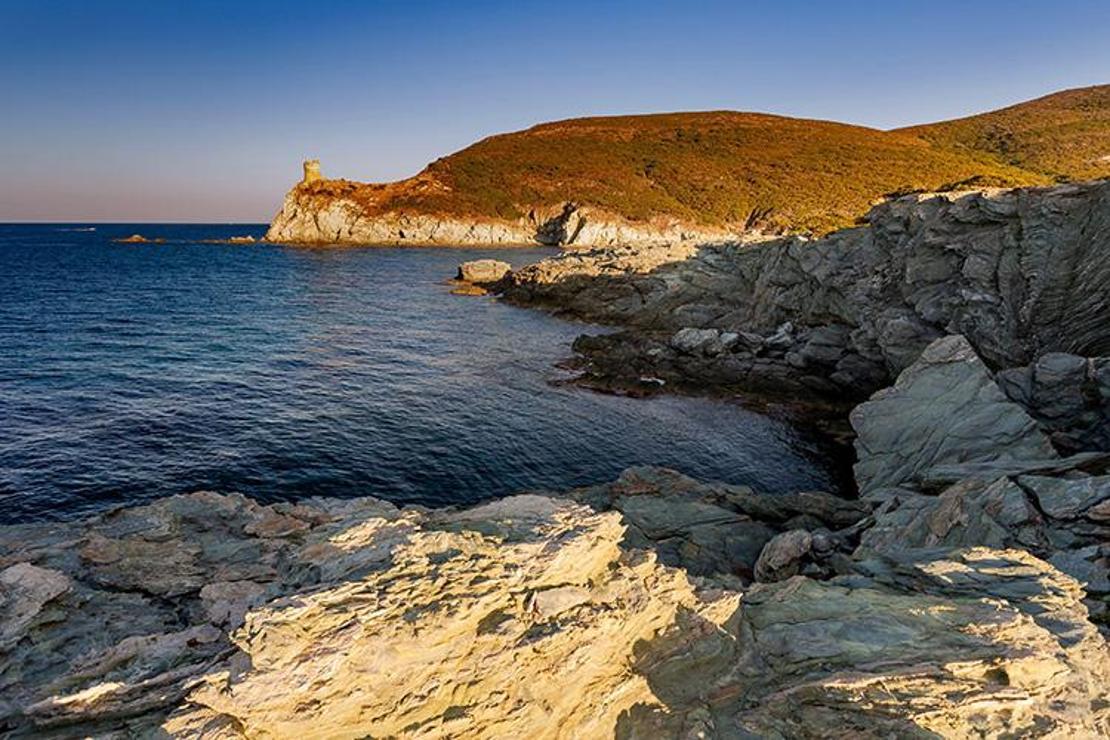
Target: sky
point(194, 110)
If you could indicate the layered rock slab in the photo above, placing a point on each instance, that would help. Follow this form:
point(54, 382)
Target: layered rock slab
point(971, 643)
point(530, 616)
point(945, 409)
point(516, 619)
point(950, 460)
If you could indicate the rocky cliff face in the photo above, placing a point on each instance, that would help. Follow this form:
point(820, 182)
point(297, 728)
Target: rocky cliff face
point(324, 213)
point(654, 606)
point(1018, 272)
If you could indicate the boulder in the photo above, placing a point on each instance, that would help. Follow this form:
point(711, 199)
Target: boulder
point(945, 409)
point(783, 556)
point(706, 342)
point(483, 272)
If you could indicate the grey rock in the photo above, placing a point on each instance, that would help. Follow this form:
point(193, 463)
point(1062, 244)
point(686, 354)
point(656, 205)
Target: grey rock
point(1063, 498)
point(783, 556)
point(1020, 273)
point(944, 409)
point(711, 529)
point(1089, 565)
point(1069, 396)
point(940, 476)
point(691, 341)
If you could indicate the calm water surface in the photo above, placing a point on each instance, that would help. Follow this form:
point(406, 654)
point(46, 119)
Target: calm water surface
point(129, 372)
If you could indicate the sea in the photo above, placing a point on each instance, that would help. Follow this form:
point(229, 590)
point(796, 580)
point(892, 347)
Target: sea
point(134, 371)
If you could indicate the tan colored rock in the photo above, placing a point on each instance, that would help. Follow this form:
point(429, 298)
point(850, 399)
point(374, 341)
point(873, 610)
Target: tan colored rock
point(529, 616)
point(138, 239)
point(483, 271)
point(25, 590)
point(465, 635)
point(319, 211)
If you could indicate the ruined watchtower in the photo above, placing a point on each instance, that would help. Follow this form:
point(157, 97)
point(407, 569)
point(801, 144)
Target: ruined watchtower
point(311, 171)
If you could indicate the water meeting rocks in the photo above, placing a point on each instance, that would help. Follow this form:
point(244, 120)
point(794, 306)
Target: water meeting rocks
point(965, 593)
point(652, 606)
point(1019, 273)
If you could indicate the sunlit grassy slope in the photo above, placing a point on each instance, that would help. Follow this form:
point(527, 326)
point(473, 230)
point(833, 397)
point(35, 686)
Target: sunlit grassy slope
point(1065, 135)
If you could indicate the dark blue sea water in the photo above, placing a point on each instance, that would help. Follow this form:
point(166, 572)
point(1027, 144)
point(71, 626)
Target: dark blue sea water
point(129, 372)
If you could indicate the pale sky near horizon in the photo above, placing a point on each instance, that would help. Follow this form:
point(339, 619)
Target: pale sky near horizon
point(202, 110)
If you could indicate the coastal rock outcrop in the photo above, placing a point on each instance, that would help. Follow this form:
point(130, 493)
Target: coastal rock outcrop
point(1020, 273)
point(719, 530)
point(213, 616)
point(966, 592)
point(483, 272)
point(331, 212)
point(949, 461)
point(945, 409)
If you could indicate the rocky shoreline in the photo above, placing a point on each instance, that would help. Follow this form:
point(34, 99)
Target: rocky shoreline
point(324, 212)
point(1020, 273)
point(965, 592)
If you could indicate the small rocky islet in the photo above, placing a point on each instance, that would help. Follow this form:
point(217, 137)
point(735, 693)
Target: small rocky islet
point(964, 593)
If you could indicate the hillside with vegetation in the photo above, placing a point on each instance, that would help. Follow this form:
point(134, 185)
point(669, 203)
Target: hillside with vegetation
point(744, 170)
point(1065, 135)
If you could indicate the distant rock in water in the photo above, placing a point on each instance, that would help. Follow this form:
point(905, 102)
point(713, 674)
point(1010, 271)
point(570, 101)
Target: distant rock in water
point(483, 271)
point(478, 277)
point(138, 239)
point(232, 240)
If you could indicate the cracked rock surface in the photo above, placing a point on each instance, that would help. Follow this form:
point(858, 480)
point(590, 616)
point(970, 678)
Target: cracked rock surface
point(530, 616)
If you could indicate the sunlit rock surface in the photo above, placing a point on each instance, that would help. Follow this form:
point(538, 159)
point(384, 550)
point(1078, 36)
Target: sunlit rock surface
point(962, 595)
point(533, 616)
point(331, 212)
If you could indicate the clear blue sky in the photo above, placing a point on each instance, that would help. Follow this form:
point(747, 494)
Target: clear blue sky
point(202, 111)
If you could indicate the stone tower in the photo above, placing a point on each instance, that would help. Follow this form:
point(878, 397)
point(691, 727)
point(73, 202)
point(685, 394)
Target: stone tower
point(311, 171)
